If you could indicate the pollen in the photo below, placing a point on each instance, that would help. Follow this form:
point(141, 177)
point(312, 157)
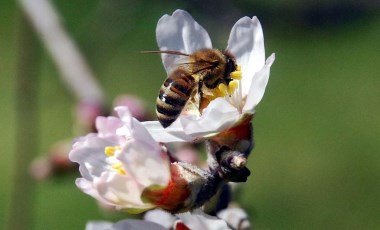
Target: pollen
point(232, 86)
point(237, 73)
point(222, 90)
point(119, 168)
point(110, 150)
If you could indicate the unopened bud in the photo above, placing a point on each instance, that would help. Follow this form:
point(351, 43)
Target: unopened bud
point(238, 162)
point(135, 105)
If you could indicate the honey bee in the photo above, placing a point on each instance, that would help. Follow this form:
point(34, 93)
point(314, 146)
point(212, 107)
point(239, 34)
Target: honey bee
point(201, 73)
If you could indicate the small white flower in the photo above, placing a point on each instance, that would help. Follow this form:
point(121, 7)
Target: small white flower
point(159, 220)
point(123, 225)
point(180, 32)
point(200, 220)
point(119, 162)
point(196, 219)
point(160, 217)
point(235, 217)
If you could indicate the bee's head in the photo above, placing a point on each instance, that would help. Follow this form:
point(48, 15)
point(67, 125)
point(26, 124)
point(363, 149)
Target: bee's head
point(230, 67)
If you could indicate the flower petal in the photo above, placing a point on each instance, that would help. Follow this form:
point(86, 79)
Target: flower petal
point(120, 190)
point(173, 133)
point(180, 32)
point(200, 220)
point(160, 217)
point(123, 225)
point(137, 225)
point(133, 161)
point(126, 119)
point(145, 165)
point(98, 225)
point(246, 42)
point(235, 217)
point(124, 114)
point(258, 85)
point(218, 116)
point(88, 188)
point(85, 185)
point(88, 152)
point(107, 125)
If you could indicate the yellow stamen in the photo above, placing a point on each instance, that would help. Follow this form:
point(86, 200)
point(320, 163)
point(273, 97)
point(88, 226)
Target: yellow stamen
point(222, 90)
point(232, 86)
point(236, 75)
point(119, 168)
point(110, 150)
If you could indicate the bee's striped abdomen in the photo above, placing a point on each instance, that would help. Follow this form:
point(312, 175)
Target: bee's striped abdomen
point(173, 96)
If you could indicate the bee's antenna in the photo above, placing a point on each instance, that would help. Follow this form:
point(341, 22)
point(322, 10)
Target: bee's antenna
point(167, 52)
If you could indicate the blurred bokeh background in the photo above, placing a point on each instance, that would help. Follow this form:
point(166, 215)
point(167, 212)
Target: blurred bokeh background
point(316, 164)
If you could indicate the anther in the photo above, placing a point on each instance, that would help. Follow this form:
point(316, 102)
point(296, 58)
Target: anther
point(119, 168)
point(110, 150)
point(232, 86)
point(236, 75)
point(222, 88)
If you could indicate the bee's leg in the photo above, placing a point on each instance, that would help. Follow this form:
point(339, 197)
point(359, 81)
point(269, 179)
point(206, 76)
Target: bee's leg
point(203, 101)
point(194, 99)
point(200, 92)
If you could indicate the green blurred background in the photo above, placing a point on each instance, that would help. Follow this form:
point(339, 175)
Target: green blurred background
point(316, 164)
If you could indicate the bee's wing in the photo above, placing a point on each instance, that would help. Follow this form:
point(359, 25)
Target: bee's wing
point(180, 62)
point(172, 59)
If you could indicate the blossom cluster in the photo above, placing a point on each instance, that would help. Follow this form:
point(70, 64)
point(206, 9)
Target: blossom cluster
point(130, 166)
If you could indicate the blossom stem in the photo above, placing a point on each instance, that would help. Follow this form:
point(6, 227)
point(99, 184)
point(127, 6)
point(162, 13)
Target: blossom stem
point(228, 151)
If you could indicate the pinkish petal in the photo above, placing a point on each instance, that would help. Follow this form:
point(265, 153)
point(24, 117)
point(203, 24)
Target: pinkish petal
point(133, 127)
point(120, 190)
point(88, 188)
point(89, 154)
point(135, 105)
point(107, 125)
point(145, 165)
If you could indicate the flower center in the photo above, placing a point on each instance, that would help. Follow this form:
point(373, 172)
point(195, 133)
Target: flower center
point(110, 150)
point(119, 168)
point(223, 90)
point(115, 164)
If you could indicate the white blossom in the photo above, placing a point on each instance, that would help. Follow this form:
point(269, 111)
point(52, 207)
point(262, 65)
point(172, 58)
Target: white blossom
point(119, 162)
point(180, 32)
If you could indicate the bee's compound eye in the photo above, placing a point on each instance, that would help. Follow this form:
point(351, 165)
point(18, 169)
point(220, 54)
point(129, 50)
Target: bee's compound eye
point(231, 65)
